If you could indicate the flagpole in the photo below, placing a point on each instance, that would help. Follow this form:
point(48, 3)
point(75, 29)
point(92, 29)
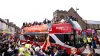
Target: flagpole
point(76, 13)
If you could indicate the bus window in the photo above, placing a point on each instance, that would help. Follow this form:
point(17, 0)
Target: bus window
point(36, 38)
point(52, 40)
point(69, 39)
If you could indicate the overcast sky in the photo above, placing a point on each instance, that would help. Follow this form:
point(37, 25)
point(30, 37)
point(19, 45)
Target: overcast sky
point(19, 11)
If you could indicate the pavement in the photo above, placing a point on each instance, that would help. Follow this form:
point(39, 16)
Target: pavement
point(87, 50)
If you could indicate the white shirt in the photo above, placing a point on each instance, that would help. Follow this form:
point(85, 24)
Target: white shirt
point(37, 49)
point(55, 53)
point(16, 47)
point(98, 37)
point(9, 49)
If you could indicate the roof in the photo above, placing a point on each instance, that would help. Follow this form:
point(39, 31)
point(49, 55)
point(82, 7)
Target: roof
point(92, 22)
point(3, 21)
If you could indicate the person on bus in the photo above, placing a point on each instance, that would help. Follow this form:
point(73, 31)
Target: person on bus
point(29, 24)
point(24, 24)
point(28, 45)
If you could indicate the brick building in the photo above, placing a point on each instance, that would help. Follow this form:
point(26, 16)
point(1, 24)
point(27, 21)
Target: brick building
point(62, 14)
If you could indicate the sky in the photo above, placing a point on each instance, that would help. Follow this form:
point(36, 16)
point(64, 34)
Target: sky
point(19, 11)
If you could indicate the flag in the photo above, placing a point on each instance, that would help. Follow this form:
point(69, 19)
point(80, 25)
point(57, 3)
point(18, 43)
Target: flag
point(44, 46)
point(46, 43)
point(77, 8)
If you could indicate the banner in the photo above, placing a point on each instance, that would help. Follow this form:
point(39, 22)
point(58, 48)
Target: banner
point(37, 28)
point(61, 28)
point(89, 31)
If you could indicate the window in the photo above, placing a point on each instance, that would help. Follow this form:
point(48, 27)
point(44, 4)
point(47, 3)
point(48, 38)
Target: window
point(69, 40)
point(99, 26)
point(10, 29)
point(62, 17)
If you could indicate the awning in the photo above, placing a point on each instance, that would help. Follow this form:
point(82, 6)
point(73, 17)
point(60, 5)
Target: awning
point(61, 28)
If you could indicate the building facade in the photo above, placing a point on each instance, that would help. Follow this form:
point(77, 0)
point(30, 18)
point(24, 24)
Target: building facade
point(8, 27)
point(62, 14)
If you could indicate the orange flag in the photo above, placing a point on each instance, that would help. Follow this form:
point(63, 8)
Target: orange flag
point(44, 46)
point(48, 42)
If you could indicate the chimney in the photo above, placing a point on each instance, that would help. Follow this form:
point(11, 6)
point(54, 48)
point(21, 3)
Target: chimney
point(7, 20)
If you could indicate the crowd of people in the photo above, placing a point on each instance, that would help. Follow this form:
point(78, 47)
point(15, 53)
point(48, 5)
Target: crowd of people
point(25, 24)
point(92, 41)
point(11, 47)
point(46, 21)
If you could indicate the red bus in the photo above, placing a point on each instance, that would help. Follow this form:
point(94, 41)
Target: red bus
point(62, 34)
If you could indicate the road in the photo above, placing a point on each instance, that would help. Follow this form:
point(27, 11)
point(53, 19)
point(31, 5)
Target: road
point(97, 50)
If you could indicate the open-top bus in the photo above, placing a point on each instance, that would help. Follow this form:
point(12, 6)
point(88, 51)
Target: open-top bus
point(62, 34)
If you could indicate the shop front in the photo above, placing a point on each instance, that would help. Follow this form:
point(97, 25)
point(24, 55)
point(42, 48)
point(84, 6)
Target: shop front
point(5, 32)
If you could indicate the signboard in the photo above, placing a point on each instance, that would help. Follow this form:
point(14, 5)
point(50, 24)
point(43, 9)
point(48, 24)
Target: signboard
point(61, 28)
